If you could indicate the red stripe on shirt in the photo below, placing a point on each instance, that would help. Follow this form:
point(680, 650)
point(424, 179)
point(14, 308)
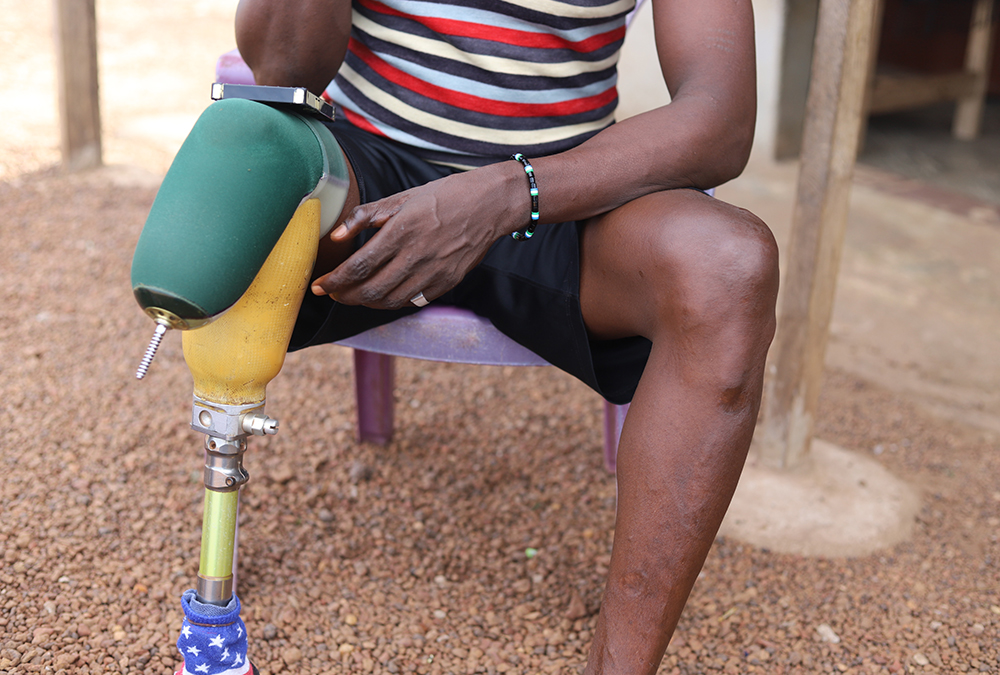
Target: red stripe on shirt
point(477, 103)
point(519, 38)
point(361, 123)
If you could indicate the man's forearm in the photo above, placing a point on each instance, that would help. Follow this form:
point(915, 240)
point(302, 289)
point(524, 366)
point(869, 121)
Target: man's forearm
point(293, 44)
point(662, 149)
point(701, 139)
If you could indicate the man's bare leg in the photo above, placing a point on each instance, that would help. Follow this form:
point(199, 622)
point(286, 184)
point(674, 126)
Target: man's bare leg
point(331, 253)
point(698, 278)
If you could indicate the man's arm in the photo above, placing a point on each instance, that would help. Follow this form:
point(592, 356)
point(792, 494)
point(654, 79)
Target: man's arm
point(701, 139)
point(290, 43)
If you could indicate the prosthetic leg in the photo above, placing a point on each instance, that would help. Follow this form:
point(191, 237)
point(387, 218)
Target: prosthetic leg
point(226, 255)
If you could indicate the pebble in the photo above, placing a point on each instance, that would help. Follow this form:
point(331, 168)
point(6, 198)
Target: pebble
point(576, 609)
point(360, 472)
point(66, 660)
point(282, 474)
point(291, 655)
point(827, 634)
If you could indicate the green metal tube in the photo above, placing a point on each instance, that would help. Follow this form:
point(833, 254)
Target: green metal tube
point(218, 541)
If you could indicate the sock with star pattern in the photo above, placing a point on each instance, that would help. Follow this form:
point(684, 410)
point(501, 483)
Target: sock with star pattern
point(213, 639)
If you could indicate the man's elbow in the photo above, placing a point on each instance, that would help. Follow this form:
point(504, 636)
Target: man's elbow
point(738, 154)
point(731, 144)
point(291, 45)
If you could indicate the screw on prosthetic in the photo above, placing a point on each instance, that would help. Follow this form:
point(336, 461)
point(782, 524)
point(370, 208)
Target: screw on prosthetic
point(225, 256)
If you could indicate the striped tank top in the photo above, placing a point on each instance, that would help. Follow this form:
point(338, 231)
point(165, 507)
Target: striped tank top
point(469, 82)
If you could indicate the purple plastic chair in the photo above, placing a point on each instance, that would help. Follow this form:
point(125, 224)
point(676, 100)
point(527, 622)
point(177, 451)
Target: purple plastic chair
point(444, 334)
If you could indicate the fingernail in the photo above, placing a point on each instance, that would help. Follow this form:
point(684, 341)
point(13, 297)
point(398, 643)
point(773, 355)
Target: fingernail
point(317, 290)
point(340, 232)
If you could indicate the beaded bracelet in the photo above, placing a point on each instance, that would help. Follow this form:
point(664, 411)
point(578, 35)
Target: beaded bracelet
point(526, 232)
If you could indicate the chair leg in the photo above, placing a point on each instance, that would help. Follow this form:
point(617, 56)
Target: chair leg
point(374, 378)
point(614, 418)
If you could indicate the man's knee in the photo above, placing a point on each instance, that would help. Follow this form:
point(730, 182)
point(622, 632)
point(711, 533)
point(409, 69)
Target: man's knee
point(718, 315)
point(746, 261)
point(714, 264)
point(692, 267)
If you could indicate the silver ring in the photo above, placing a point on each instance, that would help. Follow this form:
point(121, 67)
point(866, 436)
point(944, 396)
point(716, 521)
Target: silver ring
point(419, 300)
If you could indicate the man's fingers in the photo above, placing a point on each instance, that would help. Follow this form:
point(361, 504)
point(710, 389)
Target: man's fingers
point(357, 269)
point(370, 215)
point(362, 264)
point(403, 258)
point(371, 257)
point(391, 287)
point(359, 219)
point(370, 272)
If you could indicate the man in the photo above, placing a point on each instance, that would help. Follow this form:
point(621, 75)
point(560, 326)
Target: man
point(646, 289)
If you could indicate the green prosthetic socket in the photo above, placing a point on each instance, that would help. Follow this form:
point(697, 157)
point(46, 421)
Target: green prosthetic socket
point(227, 198)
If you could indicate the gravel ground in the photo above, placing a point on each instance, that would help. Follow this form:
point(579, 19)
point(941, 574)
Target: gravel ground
point(412, 557)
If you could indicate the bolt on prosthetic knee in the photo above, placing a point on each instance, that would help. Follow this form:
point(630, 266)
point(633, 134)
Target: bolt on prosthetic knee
point(226, 255)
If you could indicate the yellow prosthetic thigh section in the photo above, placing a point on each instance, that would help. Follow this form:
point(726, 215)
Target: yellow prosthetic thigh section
point(233, 358)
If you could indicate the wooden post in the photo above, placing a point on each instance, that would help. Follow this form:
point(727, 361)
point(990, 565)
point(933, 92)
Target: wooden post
point(796, 57)
point(866, 101)
point(79, 104)
point(829, 149)
point(969, 112)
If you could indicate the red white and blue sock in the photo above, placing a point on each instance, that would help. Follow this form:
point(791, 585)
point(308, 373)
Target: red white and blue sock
point(213, 640)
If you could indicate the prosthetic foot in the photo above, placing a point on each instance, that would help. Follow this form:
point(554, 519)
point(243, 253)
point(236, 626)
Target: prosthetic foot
point(226, 255)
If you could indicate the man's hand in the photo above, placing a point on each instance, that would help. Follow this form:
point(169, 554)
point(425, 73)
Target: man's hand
point(429, 237)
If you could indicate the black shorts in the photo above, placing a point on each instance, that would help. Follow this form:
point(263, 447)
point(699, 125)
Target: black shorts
point(529, 290)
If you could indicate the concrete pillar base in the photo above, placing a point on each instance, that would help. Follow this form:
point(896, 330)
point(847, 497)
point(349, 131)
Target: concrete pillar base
point(838, 504)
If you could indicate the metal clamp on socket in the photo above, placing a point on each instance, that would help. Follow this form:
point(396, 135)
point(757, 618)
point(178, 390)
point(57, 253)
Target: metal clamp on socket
point(224, 470)
point(231, 421)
